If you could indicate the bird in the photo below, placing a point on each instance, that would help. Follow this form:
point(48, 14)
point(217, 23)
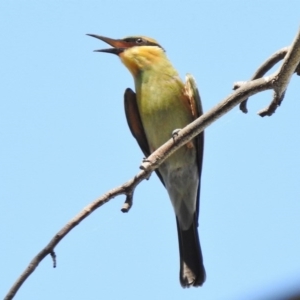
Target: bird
point(161, 105)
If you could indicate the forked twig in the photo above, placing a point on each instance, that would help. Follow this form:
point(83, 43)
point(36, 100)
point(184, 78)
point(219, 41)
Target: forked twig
point(280, 83)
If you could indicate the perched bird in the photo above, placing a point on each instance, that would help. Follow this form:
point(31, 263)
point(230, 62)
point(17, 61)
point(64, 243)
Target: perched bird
point(163, 103)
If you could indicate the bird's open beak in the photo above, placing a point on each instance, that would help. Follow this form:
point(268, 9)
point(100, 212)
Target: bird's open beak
point(119, 45)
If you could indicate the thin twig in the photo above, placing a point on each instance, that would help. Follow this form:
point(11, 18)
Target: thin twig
point(261, 71)
point(281, 81)
point(128, 203)
point(53, 255)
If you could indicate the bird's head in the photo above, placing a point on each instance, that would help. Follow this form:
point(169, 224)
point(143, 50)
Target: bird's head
point(136, 52)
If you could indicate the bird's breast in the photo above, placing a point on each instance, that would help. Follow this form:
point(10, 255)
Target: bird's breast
point(163, 108)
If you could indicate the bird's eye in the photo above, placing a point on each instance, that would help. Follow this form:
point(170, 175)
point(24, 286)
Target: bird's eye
point(139, 41)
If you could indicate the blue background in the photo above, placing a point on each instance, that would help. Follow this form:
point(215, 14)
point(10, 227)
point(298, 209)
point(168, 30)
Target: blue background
point(65, 141)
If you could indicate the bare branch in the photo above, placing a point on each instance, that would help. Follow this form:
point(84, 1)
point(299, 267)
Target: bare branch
point(261, 71)
point(278, 81)
point(280, 84)
point(193, 129)
point(49, 249)
point(288, 67)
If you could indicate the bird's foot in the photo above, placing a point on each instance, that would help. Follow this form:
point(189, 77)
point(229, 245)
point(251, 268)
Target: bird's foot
point(145, 159)
point(175, 133)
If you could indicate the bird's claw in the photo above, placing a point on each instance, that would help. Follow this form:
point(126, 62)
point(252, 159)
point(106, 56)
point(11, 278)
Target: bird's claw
point(145, 160)
point(175, 133)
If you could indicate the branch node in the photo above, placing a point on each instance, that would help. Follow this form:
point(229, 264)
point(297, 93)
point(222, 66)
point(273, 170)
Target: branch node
point(270, 110)
point(243, 106)
point(128, 203)
point(260, 72)
point(53, 256)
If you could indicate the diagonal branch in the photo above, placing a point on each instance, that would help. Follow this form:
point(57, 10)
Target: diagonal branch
point(278, 81)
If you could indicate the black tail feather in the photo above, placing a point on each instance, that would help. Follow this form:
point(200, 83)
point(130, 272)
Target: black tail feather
point(192, 272)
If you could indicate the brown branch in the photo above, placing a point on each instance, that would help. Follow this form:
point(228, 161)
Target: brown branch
point(261, 71)
point(49, 249)
point(279, 85)
point(128, 202)
point(277, 81)
point(283, 77)
point(53, 255)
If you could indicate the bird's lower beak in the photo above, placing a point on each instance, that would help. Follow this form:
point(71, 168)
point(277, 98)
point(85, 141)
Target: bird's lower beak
point(119, 45)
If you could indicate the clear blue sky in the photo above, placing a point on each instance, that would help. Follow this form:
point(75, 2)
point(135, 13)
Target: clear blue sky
point(65, 141)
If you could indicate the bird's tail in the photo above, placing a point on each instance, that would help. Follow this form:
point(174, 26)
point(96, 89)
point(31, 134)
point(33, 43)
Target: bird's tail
point(192, 272)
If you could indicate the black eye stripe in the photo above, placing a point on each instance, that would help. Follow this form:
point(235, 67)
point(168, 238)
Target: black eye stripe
point(141, 42)
point(130, 40)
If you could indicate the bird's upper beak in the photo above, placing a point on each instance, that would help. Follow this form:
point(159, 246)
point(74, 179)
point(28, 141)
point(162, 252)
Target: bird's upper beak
point(119, 45)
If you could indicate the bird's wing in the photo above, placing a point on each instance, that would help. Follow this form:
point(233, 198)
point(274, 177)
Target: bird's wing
point(135, 123)
point(196, 106)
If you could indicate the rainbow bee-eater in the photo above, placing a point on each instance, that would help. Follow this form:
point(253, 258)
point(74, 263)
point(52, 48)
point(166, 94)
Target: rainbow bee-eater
point(161, 104)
